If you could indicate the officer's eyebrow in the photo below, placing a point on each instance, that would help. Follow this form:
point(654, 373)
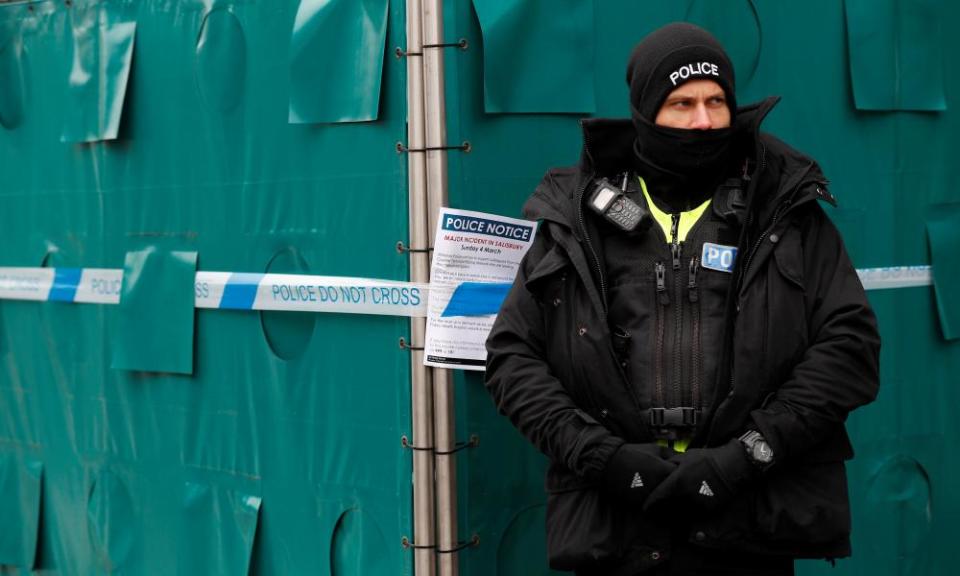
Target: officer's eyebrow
point(687, 96)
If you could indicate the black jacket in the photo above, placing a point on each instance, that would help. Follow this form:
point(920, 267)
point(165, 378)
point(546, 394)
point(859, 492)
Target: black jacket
point(801, 352)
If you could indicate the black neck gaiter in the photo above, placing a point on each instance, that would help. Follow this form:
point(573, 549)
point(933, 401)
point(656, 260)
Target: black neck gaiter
point(682, 168)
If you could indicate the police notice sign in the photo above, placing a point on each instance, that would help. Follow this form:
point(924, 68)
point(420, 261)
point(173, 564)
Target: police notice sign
point(475, 259)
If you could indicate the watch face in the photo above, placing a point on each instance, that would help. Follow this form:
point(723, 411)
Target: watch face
point(762, 452)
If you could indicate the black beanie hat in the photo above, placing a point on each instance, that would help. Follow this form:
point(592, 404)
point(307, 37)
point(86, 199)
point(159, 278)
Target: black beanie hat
point(673, 55)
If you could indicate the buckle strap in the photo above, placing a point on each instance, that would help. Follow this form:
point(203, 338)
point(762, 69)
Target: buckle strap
point(683, 417)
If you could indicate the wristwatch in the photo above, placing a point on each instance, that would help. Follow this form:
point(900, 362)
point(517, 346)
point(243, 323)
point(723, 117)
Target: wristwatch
point(758, 451)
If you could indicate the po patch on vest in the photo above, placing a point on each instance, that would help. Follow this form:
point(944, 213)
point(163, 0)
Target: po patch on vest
point(718, 257)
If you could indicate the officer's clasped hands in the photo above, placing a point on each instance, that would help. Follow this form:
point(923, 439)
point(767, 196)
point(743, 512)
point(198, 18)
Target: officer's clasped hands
point(635, 470)
point(705, 478)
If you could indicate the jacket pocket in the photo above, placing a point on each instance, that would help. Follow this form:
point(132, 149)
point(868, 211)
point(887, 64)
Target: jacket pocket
point(621, 344)
point(798, 509)
point(789, 258)
point(806, 503)
point(582, 527)
point(548, 268)
point(786, 323)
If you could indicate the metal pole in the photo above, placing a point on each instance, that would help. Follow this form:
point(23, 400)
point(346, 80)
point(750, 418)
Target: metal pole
point(424, 511)
point(443, 400)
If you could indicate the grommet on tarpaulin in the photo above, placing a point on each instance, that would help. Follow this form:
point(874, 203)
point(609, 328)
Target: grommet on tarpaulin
point(405, 442)
point(466, 147)
point(401, 248)
point(405, 346)
point(407, 544)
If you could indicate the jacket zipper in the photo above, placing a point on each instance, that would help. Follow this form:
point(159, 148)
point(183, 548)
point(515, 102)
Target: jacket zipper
point(675, 251)
point(583, 227)
point(586, 238)
point(749, 217)
point(663, 300)
point(748, 221)
point(603, 284)
point(694, 297)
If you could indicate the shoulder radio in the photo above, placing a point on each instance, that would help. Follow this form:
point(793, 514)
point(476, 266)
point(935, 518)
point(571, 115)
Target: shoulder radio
point(615, 206)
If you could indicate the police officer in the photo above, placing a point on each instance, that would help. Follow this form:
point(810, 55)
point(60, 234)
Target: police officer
point(687, 335)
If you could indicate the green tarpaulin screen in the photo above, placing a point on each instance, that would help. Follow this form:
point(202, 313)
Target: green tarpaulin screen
point(230, 442)
point(538, 55)
point(336, 60)
point(896, 54)
point(103, 41)
point(943, 231)
point(155, 327)
point(20, 486)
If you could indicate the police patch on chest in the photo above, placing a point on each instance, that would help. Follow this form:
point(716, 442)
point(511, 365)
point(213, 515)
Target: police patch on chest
point(718, 257)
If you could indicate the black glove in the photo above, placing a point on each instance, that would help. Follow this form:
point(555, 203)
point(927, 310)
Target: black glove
point(634, 471)
point(706, 478)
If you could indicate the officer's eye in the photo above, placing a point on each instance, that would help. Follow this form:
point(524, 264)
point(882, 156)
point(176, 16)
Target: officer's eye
point(717, 100)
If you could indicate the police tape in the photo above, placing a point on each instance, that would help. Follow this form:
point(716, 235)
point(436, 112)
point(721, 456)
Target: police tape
point(228, 291)
point(895, 277)
point(301, 293)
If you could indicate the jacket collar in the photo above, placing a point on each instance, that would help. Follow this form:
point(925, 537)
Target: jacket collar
point(778, 170)
point(608, 142)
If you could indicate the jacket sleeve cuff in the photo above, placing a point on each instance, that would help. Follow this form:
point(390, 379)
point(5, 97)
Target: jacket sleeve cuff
point(593, 465)
point(760, 421)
